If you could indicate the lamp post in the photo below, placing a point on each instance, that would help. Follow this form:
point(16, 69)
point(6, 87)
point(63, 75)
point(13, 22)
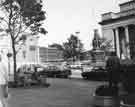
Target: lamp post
point(9, 56)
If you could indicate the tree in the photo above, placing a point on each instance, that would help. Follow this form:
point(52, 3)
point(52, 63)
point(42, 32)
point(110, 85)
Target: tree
point(21, 16)
point(72, 48)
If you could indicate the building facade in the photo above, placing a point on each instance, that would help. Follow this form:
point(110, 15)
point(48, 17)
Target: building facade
point(26, 53)
point(50, 55)
point(29, 53)
point(120, 28)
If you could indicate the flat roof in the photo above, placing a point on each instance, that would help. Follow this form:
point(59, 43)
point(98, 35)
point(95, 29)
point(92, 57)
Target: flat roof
point(128, 2)
point(116, 19)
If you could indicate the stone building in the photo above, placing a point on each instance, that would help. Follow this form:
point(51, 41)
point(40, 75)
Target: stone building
point(120, 28)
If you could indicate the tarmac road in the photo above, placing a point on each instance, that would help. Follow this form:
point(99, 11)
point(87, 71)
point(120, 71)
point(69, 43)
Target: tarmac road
point(76, 73)
point(61, 93)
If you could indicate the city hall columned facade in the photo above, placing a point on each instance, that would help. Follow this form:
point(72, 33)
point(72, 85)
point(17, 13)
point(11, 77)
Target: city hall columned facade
point(120, 29)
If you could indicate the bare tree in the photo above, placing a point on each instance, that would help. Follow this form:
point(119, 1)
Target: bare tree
point(19, 16)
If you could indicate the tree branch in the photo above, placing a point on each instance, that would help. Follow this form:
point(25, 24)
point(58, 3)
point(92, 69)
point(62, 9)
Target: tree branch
point(20, 45)
point(2, 19)
point(9, 25)
point(25, 28)
point(20, 26)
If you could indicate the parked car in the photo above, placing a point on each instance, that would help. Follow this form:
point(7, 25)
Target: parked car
point(76, 65)
point(96, 73)
point(29, 74)
point(55, 71)
point(86, 68)
point(98, 69)
point(30, 68)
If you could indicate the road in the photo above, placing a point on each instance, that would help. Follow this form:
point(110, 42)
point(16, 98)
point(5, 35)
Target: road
point(60, 93)
point(76, 73)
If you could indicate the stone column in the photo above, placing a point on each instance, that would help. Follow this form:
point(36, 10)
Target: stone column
point(127, 42)
point(117, 42)
point(124, 51)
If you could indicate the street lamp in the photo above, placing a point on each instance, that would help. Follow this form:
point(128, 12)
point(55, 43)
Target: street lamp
point(9, 55)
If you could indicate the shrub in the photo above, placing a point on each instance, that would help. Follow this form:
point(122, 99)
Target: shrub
point(128, 78)
point(129, 99)
point(105, 90)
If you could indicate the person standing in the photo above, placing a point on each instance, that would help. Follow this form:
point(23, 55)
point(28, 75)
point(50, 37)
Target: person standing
point(113, 68)
point(3, 83)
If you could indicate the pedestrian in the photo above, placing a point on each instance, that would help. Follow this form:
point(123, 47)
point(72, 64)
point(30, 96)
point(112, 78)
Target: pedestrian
point(113, 68)
point(3, 83)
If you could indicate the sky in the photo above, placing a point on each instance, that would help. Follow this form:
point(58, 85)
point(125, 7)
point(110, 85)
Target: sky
point(65, 17)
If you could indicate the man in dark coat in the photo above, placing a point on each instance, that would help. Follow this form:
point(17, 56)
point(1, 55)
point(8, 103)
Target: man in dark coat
point(113, 68)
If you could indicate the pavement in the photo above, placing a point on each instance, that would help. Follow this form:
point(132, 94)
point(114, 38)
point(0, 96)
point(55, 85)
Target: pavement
point(60, 93)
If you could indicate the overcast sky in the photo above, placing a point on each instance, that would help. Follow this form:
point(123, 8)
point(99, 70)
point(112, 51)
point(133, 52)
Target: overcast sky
point(65, 17)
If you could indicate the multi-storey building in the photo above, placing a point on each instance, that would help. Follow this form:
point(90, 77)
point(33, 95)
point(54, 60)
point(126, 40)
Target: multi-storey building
point(26, 53)
point(29, 52)
point(50, 55)
point(120, 28)
point(4, 46)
